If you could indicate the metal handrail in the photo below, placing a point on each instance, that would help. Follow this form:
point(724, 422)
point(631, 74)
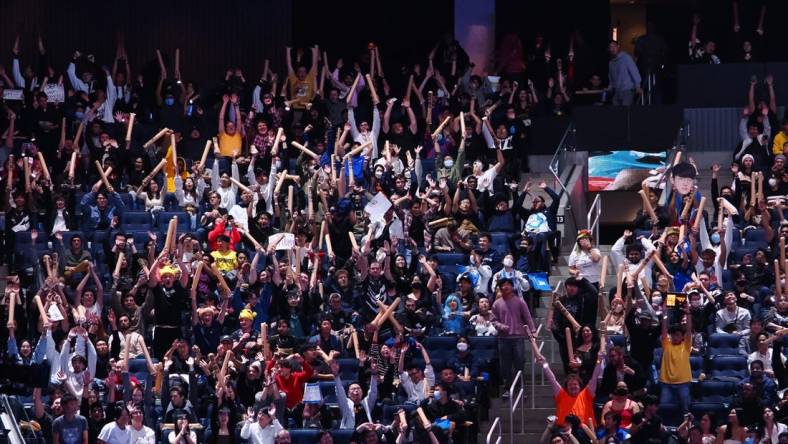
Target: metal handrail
point(514, 402)
point(596, 212)
point(496, 423)
point(16, 433)
point(553, 166)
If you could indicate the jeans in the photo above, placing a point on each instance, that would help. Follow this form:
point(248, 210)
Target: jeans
point(677, 394)
point(511, 354)
point(624, 97)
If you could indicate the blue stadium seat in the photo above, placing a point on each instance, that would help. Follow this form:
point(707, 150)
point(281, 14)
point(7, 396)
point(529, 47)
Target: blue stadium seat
point(723, 344)
point(342, 436)
point(754, 235)
point(739, 252)
point(304, 436)
point(348, 369)
point(328, 391)
point(428, 166)
point(484, 348)
point(721, 392)
point(727, 280)
point(441, 347)
point(451, 258)
point(501, 242)
point(184, 221)
point(619, 340)
point(137, 220)
point(719, 409)
point(128, 201)
point(728, 368)
point(696, 363)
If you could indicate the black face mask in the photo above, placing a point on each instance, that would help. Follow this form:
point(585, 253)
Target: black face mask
point(621, 392)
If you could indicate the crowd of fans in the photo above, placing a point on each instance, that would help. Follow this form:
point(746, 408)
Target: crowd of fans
point(248, 260)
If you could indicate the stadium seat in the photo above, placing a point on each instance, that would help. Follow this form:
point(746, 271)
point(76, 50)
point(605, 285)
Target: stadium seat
point(619, 340)
point(428, 166)
point(718, 409)
point(484, 348)
point(137, 220)
point(723, 344)
point(501, 242)
point(727, 280)
point(184, 221)
point(128, 201)
point(696, 363)
point(348, 369)
point(754, 235)
point(721, 392)
point(328, 391)
point(304, 436)
point(451, 258)
point(441, 347)
point(729, 368)
point(342, 436)
point(390, 411)
point(739, 252)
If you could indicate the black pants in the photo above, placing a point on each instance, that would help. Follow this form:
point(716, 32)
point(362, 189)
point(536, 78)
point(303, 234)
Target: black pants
point(163, 338)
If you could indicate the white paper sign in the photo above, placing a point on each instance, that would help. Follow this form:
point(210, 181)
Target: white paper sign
point(54, 313)
point(13, 94)
point(396, 230)
point(377, 207)
point(287, 242)
point(55, 93)
point(312, 394)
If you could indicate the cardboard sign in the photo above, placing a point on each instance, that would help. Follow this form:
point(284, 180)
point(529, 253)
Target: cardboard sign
point(377, 207)
point(13, 94)
point(287, 242)
point(54, 313)
point(55, 93)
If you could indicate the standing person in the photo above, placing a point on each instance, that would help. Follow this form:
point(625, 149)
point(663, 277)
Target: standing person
point(675, 373)
point(585, 260)
point(70, 428)
point(512, 317)
point(624, 78)
point(169, 299)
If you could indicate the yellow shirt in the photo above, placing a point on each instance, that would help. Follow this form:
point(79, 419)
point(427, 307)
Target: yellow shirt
point(675, 367)
point(225, 262)
point(302, 92)
point(779, 141)
point(169, 171)
point(230, 144)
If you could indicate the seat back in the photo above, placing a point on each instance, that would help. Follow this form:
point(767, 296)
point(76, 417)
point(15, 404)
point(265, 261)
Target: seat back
point(729, 367)
point(715, 392)
point(304, 436)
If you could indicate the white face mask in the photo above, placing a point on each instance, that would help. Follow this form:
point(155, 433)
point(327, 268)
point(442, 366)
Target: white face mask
point(772, 182)
point(378, 174)
point(462, 346)
point(508, 262)
point(656, 301)
point(448, 163)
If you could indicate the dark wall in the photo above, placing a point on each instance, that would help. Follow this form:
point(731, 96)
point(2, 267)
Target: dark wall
point(555, 20)
point(211, 35)
point(405, 30)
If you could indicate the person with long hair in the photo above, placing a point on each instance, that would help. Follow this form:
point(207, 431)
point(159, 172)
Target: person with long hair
point(622, 405)
point(733, 432)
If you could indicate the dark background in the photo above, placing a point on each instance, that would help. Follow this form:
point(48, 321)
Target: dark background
point(211, 35)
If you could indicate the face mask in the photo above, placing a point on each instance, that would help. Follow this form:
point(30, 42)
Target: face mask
point(462, 346)
point(772, 182)
point(79, 115)
point(621, 391)
point(278, 164)
point(378, 174)
point(508, 262)
point(715, 238)
point(448, 163)
point(437, 395)
point(695, 304)
point(169, 101)
point(657, 301)
point(757, 219)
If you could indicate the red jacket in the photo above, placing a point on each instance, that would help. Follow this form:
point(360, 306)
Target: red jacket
point(218, 228)
point(294, 385)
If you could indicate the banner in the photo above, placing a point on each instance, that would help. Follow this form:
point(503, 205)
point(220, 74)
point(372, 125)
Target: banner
point(622, 170)
point(55, 93)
